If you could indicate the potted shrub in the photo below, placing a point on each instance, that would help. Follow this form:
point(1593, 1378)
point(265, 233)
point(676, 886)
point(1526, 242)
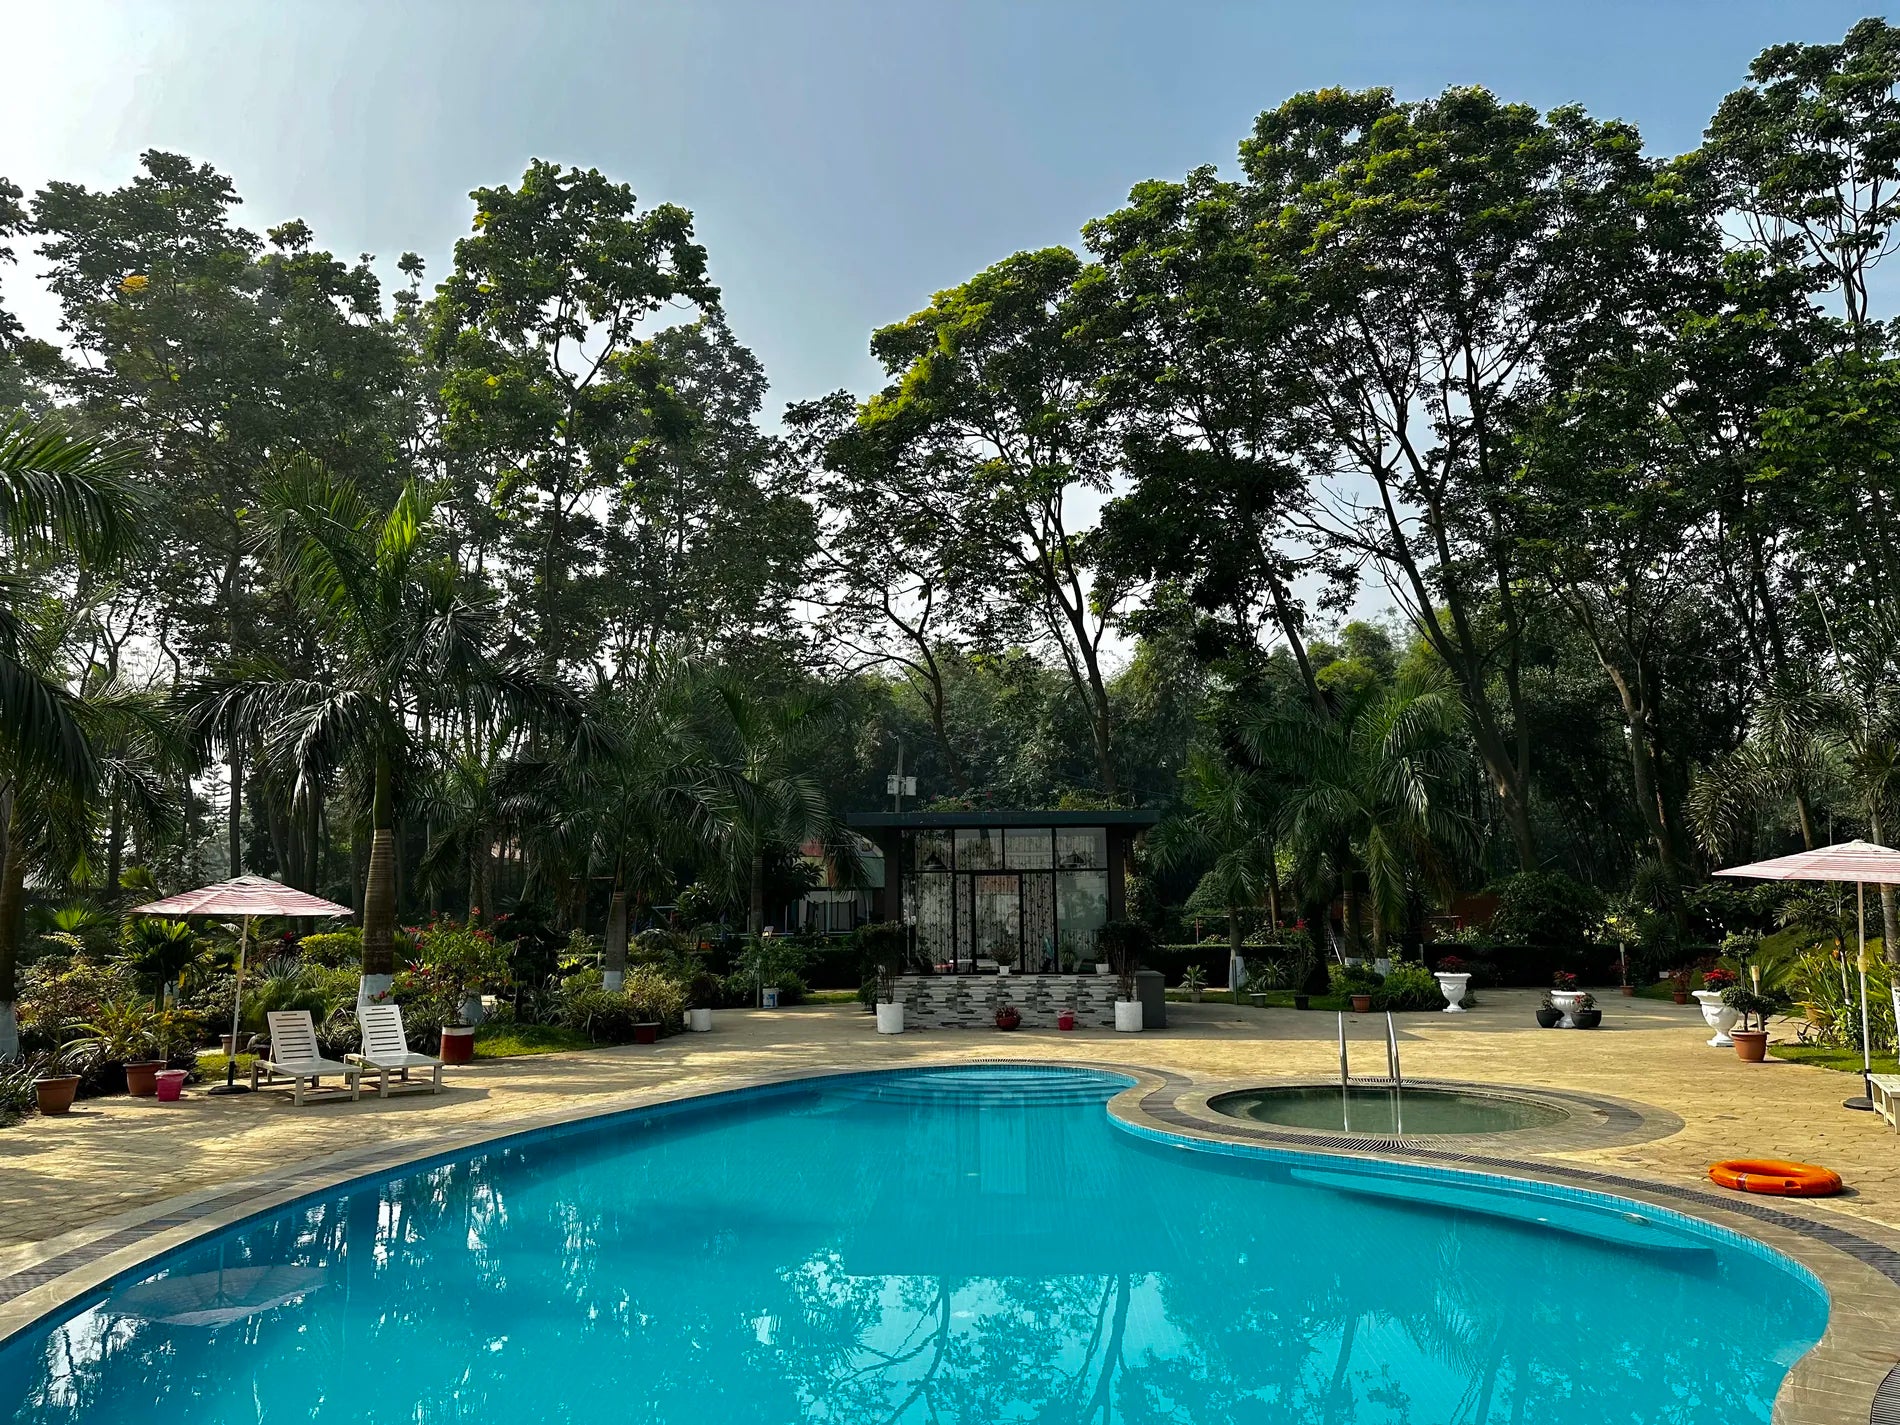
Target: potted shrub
point(1587, 1015)
point(1679, 984)
point(1125, 940)
point(1548, 1015)
point(1008, 1016)
point(1453, 981)
point(119, 1036)
point(1356, 983)
point(883, 944)
point(1194, 982)
point(1717, 1013)
point(1302, 1000)
point(54, 1085)
point(1566, 997)
point(1751, 1039)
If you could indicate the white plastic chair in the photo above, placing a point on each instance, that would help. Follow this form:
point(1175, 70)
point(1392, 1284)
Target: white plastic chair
point(386, 1050)
point(294, 1055)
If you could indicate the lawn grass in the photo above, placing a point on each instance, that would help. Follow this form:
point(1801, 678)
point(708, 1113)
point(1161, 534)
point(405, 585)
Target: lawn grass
point(510, 1041)
point(211, 1068)
point(1846, 1061)
point(831, 997)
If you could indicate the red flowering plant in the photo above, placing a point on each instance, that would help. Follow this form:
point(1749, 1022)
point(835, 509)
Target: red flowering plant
point(452, 962)
point(1450, 965)
point(1717, 978)
point(1563, 980)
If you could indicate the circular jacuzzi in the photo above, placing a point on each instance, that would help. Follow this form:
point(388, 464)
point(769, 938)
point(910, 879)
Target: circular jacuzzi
point(1387, 1112)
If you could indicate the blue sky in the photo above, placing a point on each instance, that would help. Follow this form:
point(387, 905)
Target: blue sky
point(844, 160)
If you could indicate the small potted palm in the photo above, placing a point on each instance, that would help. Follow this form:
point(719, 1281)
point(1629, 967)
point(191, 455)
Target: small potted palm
point(1754, 1007)
point(1124, 941)
point(1194, 981)
point(882, 944)
point(55, 1084)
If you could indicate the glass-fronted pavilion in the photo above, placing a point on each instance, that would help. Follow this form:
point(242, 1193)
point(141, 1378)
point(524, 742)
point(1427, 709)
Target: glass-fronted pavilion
point(1027, 890)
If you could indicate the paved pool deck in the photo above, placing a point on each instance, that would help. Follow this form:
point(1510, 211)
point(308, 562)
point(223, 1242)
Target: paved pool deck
point(83, 1195)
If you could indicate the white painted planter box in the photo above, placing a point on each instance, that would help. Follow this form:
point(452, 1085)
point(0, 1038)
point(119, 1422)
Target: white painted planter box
point(1128, 1016)
point(699, 1020)
point(890, 1018)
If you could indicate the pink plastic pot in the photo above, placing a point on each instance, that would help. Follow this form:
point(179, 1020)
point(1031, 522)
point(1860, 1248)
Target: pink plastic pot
point(168, 1084)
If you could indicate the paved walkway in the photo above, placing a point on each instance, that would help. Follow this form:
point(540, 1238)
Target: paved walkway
point(61, 1174)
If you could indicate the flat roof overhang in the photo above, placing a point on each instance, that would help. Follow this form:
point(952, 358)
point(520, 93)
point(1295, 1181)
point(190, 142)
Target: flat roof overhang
point(942, 820)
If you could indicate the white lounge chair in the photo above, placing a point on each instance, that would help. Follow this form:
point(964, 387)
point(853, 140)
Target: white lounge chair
point(1885, 1090)
point(386, 1051)
point(294, 1055)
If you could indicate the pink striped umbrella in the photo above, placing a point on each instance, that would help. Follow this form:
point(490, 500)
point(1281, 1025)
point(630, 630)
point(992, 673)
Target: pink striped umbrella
point(1863, 863)
point(245, 897)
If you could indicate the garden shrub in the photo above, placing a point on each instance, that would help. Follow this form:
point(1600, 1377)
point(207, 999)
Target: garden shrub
point(334, 949)
point(602, 1015)
point(659, 946)
point(656, 997)
point(1408, 986)
point(1344, 980)
point(57, 994)
point(1544, 908)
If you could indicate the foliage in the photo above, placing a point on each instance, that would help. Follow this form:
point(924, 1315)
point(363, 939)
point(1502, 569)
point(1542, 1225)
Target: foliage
point(459, 961)
point(332, 949)
point(883, 947)
point(1752, 1006)
point(1346, 980)
point(1829, 1000)
point(1545, 908)
point(119, 1032)
point(1409, 987)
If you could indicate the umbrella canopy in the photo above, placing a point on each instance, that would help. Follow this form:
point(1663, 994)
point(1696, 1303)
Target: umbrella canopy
point(244, 895)
point(217, 1298)
point(1861, 861)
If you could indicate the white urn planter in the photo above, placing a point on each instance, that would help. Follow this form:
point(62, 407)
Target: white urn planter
point(1569, 1002)
point(699, 1020)
point(890, 1018)
point(1128, 1016)
point(1101, 967)
point(1718, 1017)
point(1453, 987)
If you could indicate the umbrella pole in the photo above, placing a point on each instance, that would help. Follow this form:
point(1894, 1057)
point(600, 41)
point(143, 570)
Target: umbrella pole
point(230, 1084)
point(1866, 1100)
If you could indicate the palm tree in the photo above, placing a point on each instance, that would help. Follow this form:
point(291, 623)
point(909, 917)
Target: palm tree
point(408, 650)
point(754, 789)
point(1222, 820)
point(1371, 790)
point(62, 496)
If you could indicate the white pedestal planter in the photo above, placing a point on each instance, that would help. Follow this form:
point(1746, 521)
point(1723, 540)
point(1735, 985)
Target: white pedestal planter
point(1128, 1016)
point(890, 1018)
point(1101, 967)
point(699, 1020)
point(1569, 1001)
point(1453, 988)
point(1718, 1017)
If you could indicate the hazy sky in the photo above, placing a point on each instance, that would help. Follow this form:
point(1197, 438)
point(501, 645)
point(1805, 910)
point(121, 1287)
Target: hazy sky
point(844, 160)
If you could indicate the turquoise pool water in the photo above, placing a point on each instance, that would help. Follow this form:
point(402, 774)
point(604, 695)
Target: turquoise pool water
point(936, 1246)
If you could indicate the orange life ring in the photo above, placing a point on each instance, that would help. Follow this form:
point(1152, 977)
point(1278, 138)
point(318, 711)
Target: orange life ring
point(1776, 1177)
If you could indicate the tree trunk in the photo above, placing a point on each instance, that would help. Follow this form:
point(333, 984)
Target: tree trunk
point(1233, 952)
point(1273, 886)
point(234, 759)
point(115, 846)
point(755, 918)
point(379, 892)
point(613, 972)
point(12, 908)
point(1889, 908)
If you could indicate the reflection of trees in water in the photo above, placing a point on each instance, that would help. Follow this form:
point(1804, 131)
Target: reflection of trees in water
point(681, 1286)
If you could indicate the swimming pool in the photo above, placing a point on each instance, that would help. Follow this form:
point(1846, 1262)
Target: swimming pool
point(950, 1245)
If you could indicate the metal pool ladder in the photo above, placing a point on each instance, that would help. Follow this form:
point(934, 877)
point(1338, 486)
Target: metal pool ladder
point(1394, 1076)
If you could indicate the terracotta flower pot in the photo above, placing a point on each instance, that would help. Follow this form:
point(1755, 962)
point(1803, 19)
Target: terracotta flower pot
point(1680, 996)
point(1362, 1004)
point(55, 1092)
point(1751, 1045)
point(1629, 989)
point(227, 1044)
point(141, 1080)
point(458, 1044)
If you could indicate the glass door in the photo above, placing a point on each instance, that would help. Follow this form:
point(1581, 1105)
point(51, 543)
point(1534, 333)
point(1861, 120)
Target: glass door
point(998, 916)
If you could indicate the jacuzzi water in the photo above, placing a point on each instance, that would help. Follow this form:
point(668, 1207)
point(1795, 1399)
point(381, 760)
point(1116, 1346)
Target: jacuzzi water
point(968, 1246)
point(1385, 1112)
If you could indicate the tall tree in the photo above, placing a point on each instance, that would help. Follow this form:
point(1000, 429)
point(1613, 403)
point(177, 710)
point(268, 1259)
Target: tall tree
point(537, 329)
